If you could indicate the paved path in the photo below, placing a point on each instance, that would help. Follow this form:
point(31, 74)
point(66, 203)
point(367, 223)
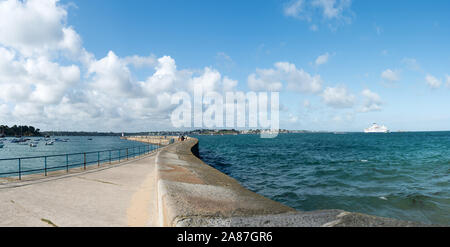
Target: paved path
point(120, 195)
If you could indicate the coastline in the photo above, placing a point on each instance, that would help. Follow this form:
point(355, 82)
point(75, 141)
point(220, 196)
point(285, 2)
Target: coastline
point(191, 193)
point(171, 187)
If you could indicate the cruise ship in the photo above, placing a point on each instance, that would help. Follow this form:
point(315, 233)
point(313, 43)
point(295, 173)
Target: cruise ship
point(375, 128)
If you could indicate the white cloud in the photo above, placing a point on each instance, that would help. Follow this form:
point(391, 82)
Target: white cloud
point(209, 80)
point(265, 81)
point(390, 75)
point(338, 97)
point(284, 73)
point(31, 26)
point(49, 79)
point(448, 80)
point(165, 77)
point(372, 101)
point(432, 81)
point(35, 79)
point(112, 76)
point(322, 59)
point(229, 84)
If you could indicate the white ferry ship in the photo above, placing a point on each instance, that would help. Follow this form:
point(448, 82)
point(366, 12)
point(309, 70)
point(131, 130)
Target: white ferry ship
point(375, 128)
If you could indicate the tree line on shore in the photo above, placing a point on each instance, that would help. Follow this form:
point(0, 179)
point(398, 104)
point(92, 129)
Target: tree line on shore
point(32, 131)
point(19, 130)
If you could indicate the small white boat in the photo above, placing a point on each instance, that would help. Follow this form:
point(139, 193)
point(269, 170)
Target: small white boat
point(375, 128)
point(33, 145)
point(49, 143)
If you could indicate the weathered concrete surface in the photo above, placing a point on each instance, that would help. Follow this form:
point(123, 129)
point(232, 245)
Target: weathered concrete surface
point(320, 218)
point(191, 193)
point(118, 195)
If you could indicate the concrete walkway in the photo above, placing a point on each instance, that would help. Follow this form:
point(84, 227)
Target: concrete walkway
point(119, 195)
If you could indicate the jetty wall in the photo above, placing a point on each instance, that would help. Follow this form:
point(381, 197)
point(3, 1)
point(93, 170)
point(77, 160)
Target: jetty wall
point(192, 193)
point(156, 140)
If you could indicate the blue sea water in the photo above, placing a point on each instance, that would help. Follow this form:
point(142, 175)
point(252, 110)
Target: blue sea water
point(398, 175)
point(75, 144)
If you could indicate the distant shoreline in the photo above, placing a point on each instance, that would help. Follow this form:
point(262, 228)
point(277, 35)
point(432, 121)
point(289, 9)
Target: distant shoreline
point(202, 133)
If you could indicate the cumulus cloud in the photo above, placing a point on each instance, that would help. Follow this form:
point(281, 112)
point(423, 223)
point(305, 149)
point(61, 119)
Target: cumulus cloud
point(112, 76)
point(33, 36)
point(287, 75)
point(432, 81)
point(372, 101)
point(49, 79)
point(338, 97)
point(35, 79)
point(19, 22)
point(390, 75)
point(264, 80)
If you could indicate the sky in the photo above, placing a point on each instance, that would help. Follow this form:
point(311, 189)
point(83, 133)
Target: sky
point(339, 65)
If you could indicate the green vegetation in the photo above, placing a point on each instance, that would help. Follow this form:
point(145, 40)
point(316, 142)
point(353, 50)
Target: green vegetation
point(19, 131)
point(48, 222)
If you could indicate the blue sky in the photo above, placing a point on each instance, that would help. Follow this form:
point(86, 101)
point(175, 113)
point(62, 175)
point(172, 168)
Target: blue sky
point(383, 61)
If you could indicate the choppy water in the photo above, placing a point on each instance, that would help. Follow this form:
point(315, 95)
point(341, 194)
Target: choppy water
point(398, 175)
point(75, 144)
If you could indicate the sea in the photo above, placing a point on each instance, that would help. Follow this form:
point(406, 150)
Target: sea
point(398, 175)
point(32, 159)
